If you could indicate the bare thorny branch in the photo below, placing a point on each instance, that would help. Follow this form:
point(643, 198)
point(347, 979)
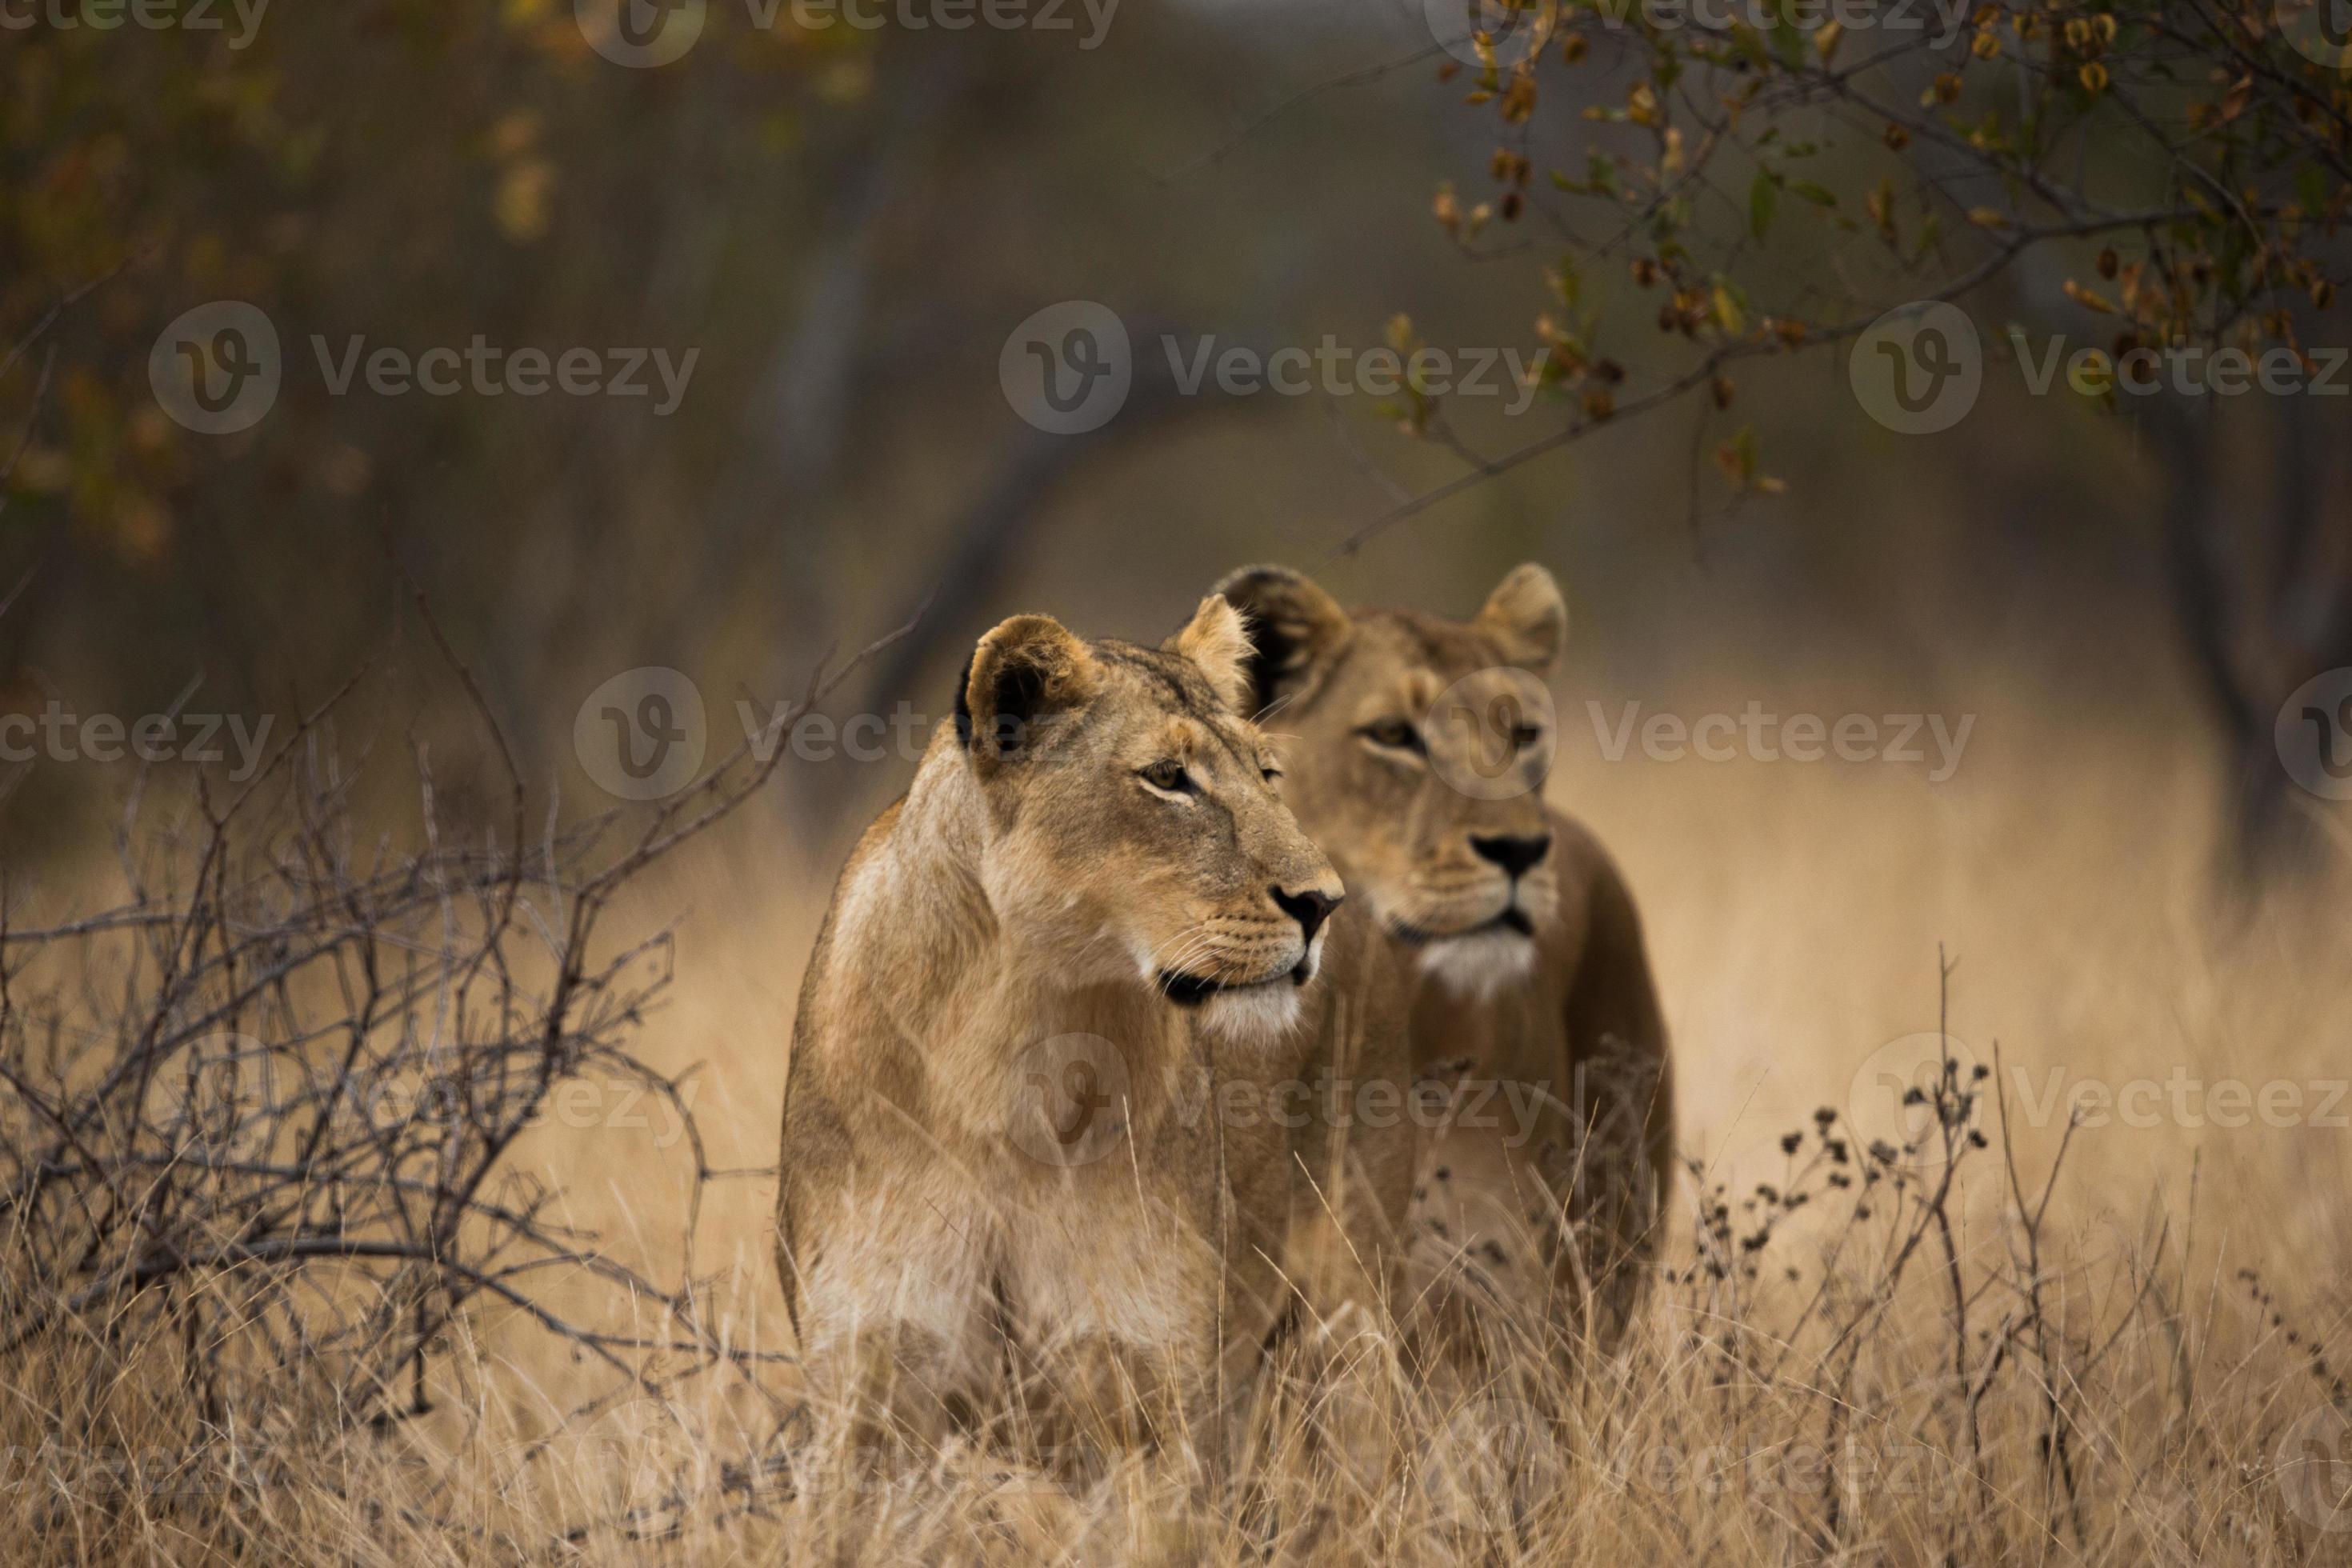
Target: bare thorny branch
point(265, 1111)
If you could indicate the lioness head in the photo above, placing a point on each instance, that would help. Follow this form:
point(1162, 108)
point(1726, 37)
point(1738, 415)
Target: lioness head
point(1133, 826)
point(1417, 748)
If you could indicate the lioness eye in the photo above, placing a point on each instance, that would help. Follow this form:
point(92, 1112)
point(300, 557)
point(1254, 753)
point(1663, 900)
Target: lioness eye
point(1169, 775)
point(1526, 735)
point(1397, 732)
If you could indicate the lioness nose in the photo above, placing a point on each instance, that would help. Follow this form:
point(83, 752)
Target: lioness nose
point(1309, 909)
point(1513, 854)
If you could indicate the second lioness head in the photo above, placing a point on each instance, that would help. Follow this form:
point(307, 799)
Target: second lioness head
point(1415, 749)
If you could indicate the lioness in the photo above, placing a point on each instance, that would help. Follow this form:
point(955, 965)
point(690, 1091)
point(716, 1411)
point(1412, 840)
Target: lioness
point(1073, 1076)
point(1416, 749)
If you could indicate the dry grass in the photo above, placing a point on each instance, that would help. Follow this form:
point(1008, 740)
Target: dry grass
point(2040, 1349)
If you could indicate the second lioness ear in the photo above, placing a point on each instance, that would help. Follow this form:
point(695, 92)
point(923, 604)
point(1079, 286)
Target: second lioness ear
point(1025, 671)
point(1526, 616)
point(1216, 640)
point(1295, 630)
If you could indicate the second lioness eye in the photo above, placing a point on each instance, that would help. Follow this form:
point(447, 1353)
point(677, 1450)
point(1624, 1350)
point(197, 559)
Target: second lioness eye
point(1525, 736)
point(1397, 732)
point(1169, 775)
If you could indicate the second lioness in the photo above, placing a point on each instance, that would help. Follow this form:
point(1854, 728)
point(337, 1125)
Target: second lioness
point(1415, 749)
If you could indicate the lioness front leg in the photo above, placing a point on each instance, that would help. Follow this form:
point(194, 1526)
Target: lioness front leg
point(1116, 1310)
point(1350, 1163)
point(899, 1339)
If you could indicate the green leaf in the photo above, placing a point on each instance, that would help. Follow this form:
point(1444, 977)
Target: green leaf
point(1761, 194)
point(1820, 195)
point(1567, 282)
point(1744, 39)
point(2311, 190)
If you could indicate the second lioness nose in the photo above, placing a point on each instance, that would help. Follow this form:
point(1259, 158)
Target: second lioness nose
point(1309, 909)
point(1513, 854)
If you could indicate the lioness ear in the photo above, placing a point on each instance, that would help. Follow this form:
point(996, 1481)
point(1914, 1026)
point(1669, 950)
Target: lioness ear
point(1027, 669)
point(1526, 616)
point(1217, 641)
point(1295, 628)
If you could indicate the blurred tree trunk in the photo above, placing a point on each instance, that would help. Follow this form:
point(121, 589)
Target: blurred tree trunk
point(2260, 602)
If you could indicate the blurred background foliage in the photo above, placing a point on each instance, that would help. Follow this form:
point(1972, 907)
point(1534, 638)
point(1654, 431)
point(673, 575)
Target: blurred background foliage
point(845, 223)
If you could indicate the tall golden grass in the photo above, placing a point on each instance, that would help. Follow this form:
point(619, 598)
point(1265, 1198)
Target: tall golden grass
point(2103, 1337)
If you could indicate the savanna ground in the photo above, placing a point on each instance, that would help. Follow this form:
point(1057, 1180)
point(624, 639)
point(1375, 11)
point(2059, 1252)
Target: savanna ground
point(1939, 1352)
